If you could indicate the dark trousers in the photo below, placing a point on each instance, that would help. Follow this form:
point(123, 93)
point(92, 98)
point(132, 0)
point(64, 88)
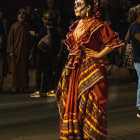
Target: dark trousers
point(43, 72)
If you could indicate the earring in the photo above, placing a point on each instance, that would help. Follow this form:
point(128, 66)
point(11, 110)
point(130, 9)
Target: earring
point(87, 14)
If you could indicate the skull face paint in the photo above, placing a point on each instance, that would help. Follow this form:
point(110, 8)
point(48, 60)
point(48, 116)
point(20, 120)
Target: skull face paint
point(80, 8)
point(21, 15)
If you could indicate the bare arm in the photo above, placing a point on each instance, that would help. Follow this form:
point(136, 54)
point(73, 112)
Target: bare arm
point(137, 37)
point(92, 53)
point(127, 37)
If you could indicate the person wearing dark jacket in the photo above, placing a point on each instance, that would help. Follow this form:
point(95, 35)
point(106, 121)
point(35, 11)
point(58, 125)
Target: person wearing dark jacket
point(47, 51)
point(134, 35)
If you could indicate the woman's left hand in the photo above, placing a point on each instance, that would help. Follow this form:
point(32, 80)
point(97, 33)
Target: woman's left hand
point(91, 53)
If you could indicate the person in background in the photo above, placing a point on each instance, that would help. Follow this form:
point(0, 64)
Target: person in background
point(19, 51)
point(48, 47)
point(33, 18)
point(51, 6)
point(134, 35)
point(3, 56)
point(128, 60)
point(30, 16)
point(82, 90)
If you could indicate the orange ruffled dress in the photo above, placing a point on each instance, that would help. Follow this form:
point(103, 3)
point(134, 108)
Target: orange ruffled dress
point(82, 90)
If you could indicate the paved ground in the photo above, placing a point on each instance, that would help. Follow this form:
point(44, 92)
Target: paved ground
point(24, 118)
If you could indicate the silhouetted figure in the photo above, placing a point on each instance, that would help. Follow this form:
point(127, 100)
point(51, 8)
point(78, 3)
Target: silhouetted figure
point(3, 58)
point(33, 18)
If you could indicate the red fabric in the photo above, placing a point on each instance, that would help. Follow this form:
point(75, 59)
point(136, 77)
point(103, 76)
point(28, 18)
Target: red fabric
point(97, 35)
point(94, 35)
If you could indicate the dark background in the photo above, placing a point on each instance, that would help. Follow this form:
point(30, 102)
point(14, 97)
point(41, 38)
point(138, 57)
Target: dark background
point(117, 9)
point(11, 7)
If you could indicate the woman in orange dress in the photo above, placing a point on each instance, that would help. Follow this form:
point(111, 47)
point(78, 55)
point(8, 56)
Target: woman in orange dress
point(82, 90)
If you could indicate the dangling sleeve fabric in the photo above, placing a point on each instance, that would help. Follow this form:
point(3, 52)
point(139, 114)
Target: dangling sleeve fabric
point(109, 38)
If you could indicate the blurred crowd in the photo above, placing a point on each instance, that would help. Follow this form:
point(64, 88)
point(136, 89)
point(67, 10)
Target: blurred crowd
point(32, 42)
point(35, 41)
